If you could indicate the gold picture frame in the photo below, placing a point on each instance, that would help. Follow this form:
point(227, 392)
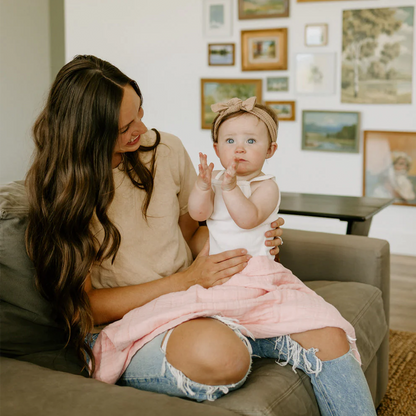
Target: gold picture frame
point(221, 54)
point(255, 9)
point(389, 166)
point(314, 1)
point(286, 110)
point(215, 90)
point(316, 34)
point(264, 49)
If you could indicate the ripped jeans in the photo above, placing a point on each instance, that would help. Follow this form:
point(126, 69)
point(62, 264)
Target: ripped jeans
point(339, 385)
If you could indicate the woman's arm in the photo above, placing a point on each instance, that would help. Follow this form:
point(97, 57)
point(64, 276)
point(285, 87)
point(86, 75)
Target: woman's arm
point(111, 304)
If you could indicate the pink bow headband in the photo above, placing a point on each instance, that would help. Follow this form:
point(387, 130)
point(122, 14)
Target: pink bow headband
point(234, 105)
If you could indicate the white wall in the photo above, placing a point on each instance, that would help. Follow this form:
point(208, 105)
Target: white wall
point(161, 44)
point(24, 80)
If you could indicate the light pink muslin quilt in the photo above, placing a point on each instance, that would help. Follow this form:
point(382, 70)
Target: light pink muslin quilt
point(265, 298)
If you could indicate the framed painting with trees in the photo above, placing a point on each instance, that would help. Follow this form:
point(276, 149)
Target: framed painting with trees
point(220, 90)
point(377, 55)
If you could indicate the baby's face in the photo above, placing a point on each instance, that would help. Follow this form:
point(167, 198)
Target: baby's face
point(401, 164)
point(244, 138)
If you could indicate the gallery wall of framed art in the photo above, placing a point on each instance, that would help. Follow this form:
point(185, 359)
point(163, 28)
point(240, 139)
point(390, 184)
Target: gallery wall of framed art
point(175, 45)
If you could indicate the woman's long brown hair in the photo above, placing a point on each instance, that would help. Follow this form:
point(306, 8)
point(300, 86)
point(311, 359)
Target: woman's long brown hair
point(71, 180)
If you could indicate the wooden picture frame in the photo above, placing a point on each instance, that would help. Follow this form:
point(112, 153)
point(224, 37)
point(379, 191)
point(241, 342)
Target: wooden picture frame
point(264, 49)
point(217, 18)
point(316, 34)
point(286, 110)
point(221, 54)
point(389, 166)
point(255, 9)
point(220, 90)
point(331, 131)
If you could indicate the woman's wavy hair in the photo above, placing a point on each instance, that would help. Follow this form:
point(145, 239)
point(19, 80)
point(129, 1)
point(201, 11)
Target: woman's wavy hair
point(71, 180)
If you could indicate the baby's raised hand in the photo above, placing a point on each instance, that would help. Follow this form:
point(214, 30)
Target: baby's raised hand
point(205, 172)
point(229, 181)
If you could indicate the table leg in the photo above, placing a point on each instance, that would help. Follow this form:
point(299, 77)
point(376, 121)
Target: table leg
point(359, 227)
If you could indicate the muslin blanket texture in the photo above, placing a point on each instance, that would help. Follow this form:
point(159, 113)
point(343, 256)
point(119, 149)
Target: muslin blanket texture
point(266, 299)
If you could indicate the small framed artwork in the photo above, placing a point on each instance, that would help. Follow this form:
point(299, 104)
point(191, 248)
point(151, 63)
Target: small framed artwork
point(217, 18)
point(316, 34)
point(315, 73)
point(285, 110)
point(390, 166)
point(280, 84)
point(333, 131)
point(264, 49)
point(259, 9)
point(221, 54)
point(220, 90)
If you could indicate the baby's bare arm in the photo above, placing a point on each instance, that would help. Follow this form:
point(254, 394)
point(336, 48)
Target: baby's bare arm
point(201, 199)
point(250, 212)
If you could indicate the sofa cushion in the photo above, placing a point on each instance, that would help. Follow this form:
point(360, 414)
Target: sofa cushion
point(274, 390)
point(27, 389)
point(28, 330)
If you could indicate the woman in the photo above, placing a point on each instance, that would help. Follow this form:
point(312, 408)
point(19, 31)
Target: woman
point(109, 232)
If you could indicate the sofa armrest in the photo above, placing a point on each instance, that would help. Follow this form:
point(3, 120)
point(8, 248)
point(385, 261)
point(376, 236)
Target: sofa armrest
point(348, 258)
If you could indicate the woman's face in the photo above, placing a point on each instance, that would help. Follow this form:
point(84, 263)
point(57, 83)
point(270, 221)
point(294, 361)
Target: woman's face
point(131, 126)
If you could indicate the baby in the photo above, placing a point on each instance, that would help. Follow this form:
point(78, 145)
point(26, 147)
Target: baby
point(240, 202)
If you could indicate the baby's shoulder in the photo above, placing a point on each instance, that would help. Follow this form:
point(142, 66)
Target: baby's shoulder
point(268, 185)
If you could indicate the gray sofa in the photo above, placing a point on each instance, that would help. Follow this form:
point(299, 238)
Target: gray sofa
point(39, 377)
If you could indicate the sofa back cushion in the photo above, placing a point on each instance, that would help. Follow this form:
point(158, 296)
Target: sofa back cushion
point(27, 326)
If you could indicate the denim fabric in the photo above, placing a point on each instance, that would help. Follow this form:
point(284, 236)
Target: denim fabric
point(149, 370)
point(339, 385)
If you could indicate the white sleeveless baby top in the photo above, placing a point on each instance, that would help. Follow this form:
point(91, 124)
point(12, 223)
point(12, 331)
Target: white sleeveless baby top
point(225, 234)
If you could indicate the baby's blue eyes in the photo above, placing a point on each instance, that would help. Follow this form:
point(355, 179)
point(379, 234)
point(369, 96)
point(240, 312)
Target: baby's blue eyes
point(249, 141)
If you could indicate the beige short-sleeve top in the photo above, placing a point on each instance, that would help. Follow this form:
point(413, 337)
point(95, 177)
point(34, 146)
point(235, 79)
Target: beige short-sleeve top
point(154, 248)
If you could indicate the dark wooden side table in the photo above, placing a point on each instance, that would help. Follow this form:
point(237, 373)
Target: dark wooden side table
point(357, 211)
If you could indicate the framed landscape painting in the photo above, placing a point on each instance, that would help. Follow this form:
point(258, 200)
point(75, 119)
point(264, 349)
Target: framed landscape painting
point(333, 131)
point(390, 166)
point(217, 18)
point(220, 90)
point(220, 54)
point(264, 49)
point(278, 84)
point(259, 9)
point(285, 110)
point(377, 56)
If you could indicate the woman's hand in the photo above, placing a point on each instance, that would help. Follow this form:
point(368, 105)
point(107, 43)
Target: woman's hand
point(203, 180)
point(276, 233)
point(208, 271)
